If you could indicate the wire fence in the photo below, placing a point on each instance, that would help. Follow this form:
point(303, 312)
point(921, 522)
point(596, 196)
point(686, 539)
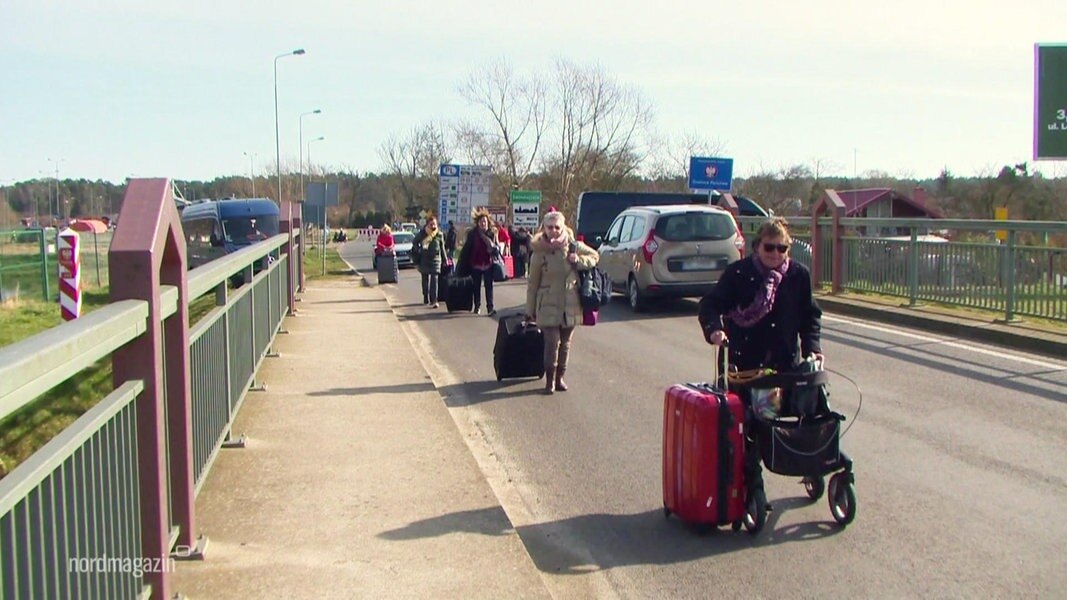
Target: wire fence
point(29, 269)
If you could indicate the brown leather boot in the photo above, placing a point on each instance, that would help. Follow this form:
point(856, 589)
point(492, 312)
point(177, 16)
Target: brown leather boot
point(561, 366)
point(550, 381)
point(560, 384)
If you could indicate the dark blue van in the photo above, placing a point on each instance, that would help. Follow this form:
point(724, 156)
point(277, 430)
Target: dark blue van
point(219, 227)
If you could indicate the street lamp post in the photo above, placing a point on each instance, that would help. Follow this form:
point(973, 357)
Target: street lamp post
point(318, 139)
point(252, 170)
point(56, 161)
point(277, 134)
point(302, 115)
point(322, 231)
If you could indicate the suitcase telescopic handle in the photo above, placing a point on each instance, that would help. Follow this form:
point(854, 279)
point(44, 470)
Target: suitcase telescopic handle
point(722, 366)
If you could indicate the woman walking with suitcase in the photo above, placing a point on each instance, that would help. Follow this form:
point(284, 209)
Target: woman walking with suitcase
point(431, 259)
point(552, 292)
point(476, 258)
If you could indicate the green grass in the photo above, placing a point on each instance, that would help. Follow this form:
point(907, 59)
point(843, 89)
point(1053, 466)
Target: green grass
point(30, 427)
point(335, 267)
point(23, 432)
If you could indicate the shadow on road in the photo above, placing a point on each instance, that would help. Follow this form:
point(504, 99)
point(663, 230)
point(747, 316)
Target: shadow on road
point(566, 546)
point(916, 354)
point(491, 521)
point(404, 388)
point(664, 308)
point(477, 392)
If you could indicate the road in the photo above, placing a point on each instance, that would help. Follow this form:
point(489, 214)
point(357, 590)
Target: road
point(960, 456)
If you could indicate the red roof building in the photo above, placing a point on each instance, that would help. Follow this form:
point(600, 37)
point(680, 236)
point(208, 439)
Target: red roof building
point(886, 203)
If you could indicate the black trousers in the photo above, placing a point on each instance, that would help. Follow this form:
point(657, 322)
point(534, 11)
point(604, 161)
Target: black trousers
point(481, 277)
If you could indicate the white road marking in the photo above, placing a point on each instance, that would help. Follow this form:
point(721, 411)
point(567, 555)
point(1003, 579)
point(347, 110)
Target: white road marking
point(968, 347)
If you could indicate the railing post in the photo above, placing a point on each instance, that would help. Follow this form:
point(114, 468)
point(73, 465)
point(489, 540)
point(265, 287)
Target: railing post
point(1009, 309)
point(146, 253)
point(44, 267)
point(298, 224)
point(913, 268)
point(832, 203)
point(287, 227)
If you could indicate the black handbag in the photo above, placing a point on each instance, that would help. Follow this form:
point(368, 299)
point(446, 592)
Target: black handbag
point(802, 447)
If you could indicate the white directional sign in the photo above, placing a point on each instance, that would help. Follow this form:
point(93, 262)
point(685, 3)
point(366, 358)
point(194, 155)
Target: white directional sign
point(462, 188)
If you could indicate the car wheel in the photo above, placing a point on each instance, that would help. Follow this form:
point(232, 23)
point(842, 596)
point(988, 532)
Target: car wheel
point(638, 302)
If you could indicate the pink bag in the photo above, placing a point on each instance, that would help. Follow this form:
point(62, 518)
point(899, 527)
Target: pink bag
point(590, 316)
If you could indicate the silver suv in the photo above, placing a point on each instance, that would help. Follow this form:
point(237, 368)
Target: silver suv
point(669, 251)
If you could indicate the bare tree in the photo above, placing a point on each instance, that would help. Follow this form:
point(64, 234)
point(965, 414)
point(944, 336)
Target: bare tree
point(511, 142)
point(671, 159)
point(782, 190)
point(414, 159)
point(602, 131)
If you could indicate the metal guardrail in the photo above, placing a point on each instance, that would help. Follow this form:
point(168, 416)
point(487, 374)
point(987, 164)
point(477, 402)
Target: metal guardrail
point(25, 264)
point(80, 517)
point(1005, 277)
point(228, 344)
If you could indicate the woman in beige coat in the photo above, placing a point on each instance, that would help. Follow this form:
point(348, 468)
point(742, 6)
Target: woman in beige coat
point(552, 292)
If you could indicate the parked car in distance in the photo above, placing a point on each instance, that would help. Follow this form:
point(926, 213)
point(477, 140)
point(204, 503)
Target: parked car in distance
point(412, 227)
point(402, 245)
point(675, 251)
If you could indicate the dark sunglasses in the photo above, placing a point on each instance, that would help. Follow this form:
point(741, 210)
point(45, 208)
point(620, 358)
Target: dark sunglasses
point(781, 248)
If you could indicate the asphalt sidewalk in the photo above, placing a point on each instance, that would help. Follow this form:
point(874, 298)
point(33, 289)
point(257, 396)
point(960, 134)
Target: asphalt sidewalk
point(355, 481)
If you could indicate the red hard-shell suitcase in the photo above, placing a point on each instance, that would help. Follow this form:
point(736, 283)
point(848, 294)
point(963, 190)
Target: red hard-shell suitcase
point(509, 267)
point(703, 454)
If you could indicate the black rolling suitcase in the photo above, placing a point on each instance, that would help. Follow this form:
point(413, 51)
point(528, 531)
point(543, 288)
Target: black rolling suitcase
point(459, 293)
point(442, 283)
point(519, 349)
point(387, 269)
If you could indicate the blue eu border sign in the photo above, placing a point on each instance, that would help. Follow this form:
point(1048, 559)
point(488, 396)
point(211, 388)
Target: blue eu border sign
point(710, 173)
point(1050, 101)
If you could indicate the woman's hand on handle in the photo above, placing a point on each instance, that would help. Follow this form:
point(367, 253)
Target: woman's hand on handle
point(716, 338)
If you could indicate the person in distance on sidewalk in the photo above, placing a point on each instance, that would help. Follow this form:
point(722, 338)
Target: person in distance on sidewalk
point(431, 259)
point(552, 292)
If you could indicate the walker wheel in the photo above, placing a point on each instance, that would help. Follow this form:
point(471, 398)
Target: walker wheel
point(842, 498)
point(814, 486)
point(736, 525)
point(756, 514)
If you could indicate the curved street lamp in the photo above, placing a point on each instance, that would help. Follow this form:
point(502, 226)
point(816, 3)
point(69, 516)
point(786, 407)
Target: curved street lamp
point(318, 139)
point(302, 115)
point(277, 135)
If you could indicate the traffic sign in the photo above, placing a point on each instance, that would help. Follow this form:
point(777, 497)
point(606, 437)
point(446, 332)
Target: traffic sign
point(710, 173)
point(526, 208)
point(1050, 101)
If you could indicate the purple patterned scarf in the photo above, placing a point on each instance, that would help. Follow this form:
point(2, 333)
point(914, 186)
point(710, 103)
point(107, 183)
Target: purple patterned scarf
point(764, 300)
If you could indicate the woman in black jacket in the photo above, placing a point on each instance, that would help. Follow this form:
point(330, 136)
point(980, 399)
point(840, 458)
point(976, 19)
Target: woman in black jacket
point(763, 306)
point(476, 258)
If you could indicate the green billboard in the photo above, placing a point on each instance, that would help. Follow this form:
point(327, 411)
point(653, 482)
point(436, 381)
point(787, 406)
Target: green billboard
point(1050, 101)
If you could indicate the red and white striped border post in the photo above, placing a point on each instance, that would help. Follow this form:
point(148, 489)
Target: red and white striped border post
point(70, 294)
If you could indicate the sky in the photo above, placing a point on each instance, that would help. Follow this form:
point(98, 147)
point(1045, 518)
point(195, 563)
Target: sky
point(110, 89)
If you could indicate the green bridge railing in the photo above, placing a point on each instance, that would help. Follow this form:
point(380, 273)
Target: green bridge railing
point(104, 508)
point(947, 261)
